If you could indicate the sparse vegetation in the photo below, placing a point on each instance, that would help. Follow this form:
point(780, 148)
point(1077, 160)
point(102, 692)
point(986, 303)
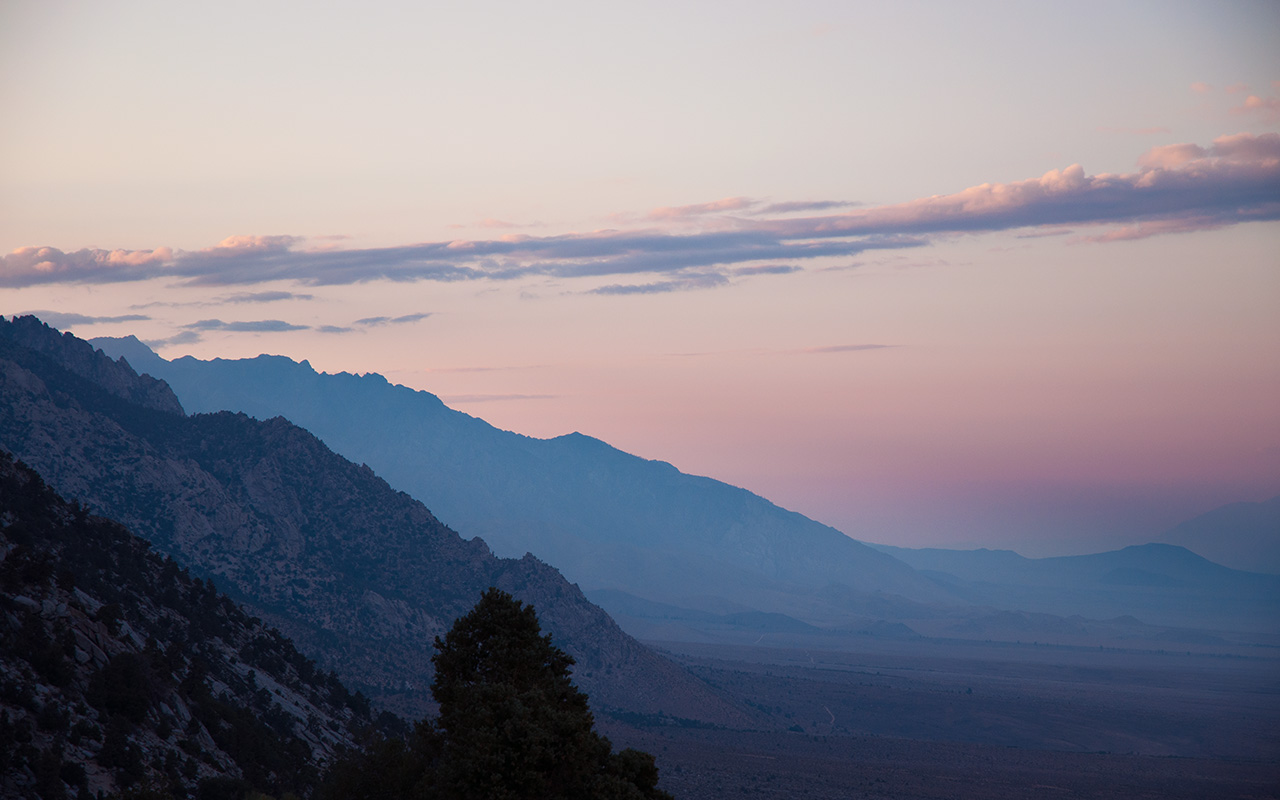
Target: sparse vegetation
point(107, 650)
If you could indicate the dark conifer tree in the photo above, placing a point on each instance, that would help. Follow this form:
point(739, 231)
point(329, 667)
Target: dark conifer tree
point(513, 724)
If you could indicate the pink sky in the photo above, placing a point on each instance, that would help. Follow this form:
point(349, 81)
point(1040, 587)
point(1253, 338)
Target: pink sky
point(921, 273)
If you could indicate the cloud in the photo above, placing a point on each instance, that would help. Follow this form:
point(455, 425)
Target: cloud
point(703, 281)
point(376, 321)
point(183, 337)
point(373, 322)
point(256, 326)
point(1235, 179)
point(1200, 87)
point(805, 205)
point(768, 269)
point(1145, 230)
point(1045, 232)
point(263, 297)
point(702, 209)
point(1268, 108)
point(29, 266)
point(63, 320)
point(844, 348)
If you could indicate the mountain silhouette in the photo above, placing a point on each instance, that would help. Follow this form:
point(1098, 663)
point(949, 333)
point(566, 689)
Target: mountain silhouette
point(360, 576)
point(607, 519)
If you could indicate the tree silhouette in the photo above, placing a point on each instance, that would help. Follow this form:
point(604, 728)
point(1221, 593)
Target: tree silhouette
point(513, 723)
point(512, 726)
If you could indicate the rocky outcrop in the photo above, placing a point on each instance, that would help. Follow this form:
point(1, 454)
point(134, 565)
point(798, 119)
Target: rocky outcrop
point(81, 358)
point(118, 669)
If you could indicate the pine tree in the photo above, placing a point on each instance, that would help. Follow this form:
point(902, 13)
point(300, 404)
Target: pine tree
point(513, 724)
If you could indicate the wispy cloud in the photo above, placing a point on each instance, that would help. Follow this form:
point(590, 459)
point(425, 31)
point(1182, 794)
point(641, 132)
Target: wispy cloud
point(768, 269)
point(1235, 179)
point(254, 326)
point(702, 209)
point(705, 280)
point(378, 321)
point(63, 319)
point(843, 348)
point(373, 322)
point(1266, 108)
point(805, 206)
point(180, 338)
point(1160, 227)
point(263, 297)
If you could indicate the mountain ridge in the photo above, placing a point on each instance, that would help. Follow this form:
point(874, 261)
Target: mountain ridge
point(671, 530)
point(319, 546)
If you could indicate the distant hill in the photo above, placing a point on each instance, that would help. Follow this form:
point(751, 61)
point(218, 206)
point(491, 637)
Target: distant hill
point(118, 669)
point(1241, 535)
point(606, 519)
point(1159, 583)
point(362, 577)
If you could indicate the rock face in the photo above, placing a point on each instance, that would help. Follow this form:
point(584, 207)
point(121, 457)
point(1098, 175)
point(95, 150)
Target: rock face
point(81, 358)
point(118, 668)
point(360, 576)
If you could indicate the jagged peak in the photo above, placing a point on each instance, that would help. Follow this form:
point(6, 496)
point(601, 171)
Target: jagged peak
point(82, 358)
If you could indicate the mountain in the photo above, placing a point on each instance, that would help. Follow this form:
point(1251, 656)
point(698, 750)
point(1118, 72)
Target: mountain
point(360, 576)
point(608, 520)
point(118, 669)
point(1161, 584)
point(1245, 536)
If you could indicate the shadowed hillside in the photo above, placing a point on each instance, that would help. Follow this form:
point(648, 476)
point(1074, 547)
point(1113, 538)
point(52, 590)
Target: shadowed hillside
point(118, 669)
point(362, 577)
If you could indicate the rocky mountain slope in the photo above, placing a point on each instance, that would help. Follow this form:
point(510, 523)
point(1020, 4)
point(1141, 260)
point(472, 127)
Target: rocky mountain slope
point(119, 670)
point(607, 519)
point(360, 576)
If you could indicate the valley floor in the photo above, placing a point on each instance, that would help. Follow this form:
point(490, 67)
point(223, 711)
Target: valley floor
point(931, 719)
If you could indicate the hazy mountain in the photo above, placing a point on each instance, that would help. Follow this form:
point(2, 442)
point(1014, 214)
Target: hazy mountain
point(606, 519)
point(1241, 535)
point(362, 577)
point(117, 668)
point(1159, 583)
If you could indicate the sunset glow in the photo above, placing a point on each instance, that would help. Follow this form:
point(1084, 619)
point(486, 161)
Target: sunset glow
point(987, 275)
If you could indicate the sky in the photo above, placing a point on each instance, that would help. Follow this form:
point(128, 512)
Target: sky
point(982, 274)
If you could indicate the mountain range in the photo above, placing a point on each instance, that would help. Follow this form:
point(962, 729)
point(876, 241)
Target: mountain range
point(654, 545)
point(360, 576)
point(1243, 536)
point(605, 518)
point(1160, 584)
